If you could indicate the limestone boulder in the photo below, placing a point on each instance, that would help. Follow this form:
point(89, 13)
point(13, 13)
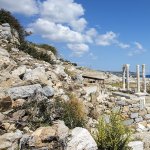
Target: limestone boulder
point(59, 70)
point(144, 137)
point(4, 52)
point(62, 130)
point(48, 91)
point(23, 91)
point(80, 139)
point(4, 57)
point(136, 145)
point(14, 49)
point(6, 31)
point(37, 74)
point(19, 71)
point(47, 136)
point(7, 140)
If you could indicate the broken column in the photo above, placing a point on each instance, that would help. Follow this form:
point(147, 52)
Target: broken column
point(144, 79)
point(138, 78)
point(127, 80)
point(123, 77)
point(141, 97)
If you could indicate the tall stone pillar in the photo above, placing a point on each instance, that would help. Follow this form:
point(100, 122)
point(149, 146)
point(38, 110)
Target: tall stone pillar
point(127, 80)
point(144, 79)
point(123, 77)
point(138, 78)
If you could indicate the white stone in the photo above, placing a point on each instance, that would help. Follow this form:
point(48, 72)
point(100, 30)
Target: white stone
point(19, 71)
point(136, 145)
point(59, 70)
point(141, 127)
point(90, 89)
point(36, 74)
point(48, 91)
point(7, 139)
point(134, 115)
point(23, 91)
point(128, 122)
point(81, 140)
point(4, 52)
point(14, 49)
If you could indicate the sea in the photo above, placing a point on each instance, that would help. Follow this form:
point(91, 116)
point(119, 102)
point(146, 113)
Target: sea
point(147, 76)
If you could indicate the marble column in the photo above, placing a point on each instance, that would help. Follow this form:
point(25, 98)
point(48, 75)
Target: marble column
point(123, 77)
point(144, 79)
point(127, 79)
point(138, 78)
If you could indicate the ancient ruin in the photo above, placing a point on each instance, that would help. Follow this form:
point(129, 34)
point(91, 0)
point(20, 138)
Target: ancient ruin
point(126, 78)
point(126, 83)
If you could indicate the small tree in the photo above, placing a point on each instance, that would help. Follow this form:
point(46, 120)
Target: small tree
point(113, 135)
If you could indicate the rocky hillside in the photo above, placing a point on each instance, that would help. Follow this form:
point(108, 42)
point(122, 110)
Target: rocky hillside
point(29, 92)
point(45, 104)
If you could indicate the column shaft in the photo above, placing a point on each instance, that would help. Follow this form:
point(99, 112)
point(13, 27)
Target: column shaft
point(144, 79)
point(138, 78)
point(123, 77)
point(127, 80)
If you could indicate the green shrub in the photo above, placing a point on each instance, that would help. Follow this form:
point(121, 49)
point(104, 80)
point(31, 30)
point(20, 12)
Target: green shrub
point(113, 135)
point(49, 48)
point(7, 17)
point(31, 50)
point(73, 113)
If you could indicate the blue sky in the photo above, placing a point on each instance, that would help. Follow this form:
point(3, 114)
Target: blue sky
point(101, 34)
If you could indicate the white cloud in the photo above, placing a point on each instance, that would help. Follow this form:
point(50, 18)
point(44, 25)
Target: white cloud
point(26, 7)
point(64, 11)
point(122, 45)
point(78, 49)
point(138, 49)
point(78, 25)
point(110, 38)
point(61, 11)
point(92, 32)
point(63, 21)
point(106, 39)
point(55, 32)
point(138, 45)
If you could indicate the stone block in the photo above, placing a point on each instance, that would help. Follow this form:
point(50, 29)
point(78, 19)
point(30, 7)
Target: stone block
point(135, 109)
point(138, 119)
point(121, 103)
point(136, 145)
point(23, 91)
point(142, 112)
point(134, 115)
point(128, 122)
point(125, 109)
point(147, 116)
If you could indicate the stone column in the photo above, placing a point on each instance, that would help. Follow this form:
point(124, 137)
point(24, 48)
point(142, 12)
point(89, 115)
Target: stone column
point(138, 77)
point(127, 79)
point(144, 79)
point(123, 77)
